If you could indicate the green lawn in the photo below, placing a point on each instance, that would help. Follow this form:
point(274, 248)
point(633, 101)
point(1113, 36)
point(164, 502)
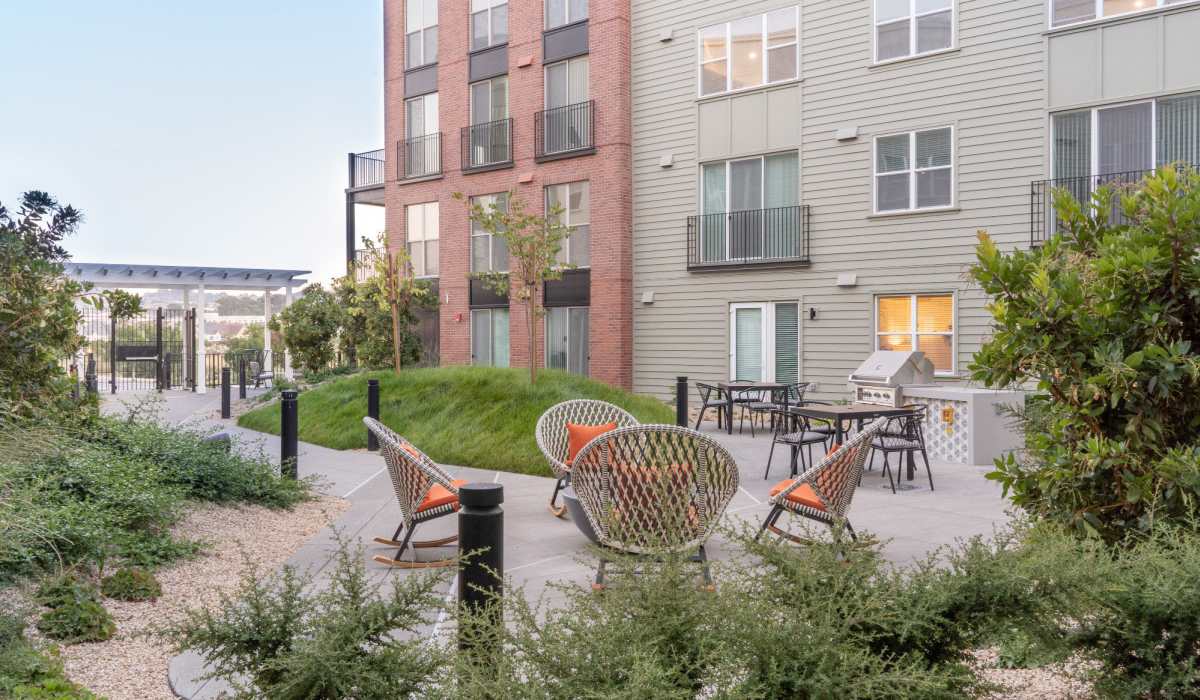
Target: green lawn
point(470, 416)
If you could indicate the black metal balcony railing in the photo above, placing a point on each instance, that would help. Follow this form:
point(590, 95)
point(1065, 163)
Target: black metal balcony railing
point(420, 156)
point(487, 145)
point(568, 130)
point(364, 264)
point(776, 236)
point(367, 169)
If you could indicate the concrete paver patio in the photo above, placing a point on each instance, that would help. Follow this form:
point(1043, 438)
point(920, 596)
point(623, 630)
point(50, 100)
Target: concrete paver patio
point(540, 549)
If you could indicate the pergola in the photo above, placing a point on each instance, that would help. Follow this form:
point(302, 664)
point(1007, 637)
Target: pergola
point(200, 279)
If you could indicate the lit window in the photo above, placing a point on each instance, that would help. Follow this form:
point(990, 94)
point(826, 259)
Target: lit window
point(1064, 12)
point(421, 233)
point(923, 322)
point(750, 52)
point(912, 27)
point(914, 170)
point(420, 32)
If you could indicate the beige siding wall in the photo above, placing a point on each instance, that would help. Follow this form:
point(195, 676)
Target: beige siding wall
point(991, 89)
point(1128, 58)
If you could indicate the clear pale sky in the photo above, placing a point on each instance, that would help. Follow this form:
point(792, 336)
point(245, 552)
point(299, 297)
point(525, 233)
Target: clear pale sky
point(202, 133)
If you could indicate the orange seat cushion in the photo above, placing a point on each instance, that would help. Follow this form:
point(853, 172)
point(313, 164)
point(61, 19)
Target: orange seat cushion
point(440, 495)
point(804, 495)
point(579, 435)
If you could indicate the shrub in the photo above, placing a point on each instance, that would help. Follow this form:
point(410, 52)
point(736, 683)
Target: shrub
point(131, 585)
point(75, 613)
point(309, 326)
point(25, 672)
point(1105, 320)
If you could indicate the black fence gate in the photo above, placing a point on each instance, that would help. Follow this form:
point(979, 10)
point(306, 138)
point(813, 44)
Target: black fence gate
point(152, 350)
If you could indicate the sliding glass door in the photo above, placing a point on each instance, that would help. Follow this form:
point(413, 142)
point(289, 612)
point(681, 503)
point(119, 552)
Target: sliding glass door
point(750, 208)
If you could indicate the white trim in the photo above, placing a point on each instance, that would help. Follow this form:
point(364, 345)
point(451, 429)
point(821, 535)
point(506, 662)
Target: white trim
point(567, 88)
point(1101, 17)
point(764, 49)
point(1094, 127)
point(762, 194)
point(914, 334)
point(566, 216)
point(420, 25)
point(912, 18)
point(491, 40)
point(568, 19)
point(766, 337)
point(546, 338)
point(471, 235)
point(912, 171)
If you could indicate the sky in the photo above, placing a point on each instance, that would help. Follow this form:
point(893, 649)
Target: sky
point(192, 133)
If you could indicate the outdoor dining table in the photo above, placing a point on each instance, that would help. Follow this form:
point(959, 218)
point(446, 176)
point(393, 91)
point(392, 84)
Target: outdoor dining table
point(838, 413)
point(731, 388)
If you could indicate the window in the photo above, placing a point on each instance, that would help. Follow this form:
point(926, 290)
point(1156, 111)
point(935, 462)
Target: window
point(421, 116)
point(923, 322)
point(750, 208)
point(1063, 12)
point(567, 121)
point(574, 201)
point(765, 342)
point(561, 12)
point(567, 82)
point(914, 171)
point(489, 100)
point(490, 130)
point(567, 339)
point(749, 52)
point(912, 27)
point(489, 23)
point(420, 32)
point(489, 337)
point(488, 253)
point(1128, 138)
point(421, 232)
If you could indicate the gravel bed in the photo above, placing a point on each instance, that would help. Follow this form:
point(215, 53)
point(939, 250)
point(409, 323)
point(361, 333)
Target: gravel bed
point(133, 667)
point(1062, 681)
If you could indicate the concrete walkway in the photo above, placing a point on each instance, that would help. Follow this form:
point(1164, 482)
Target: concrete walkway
point(540, 549)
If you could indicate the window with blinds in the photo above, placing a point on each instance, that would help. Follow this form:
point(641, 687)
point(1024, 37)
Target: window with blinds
point(914, 170)
point(906, 28)
point(923, 322)
point(765, 342)
point(1129, 138)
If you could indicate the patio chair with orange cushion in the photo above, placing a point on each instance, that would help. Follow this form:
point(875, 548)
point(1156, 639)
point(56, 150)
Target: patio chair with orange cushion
point(654, 490)
point(824, 492)
point(565, 428)
point(424, 492)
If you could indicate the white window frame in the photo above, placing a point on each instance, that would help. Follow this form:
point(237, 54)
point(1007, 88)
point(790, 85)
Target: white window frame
point(546, 333)
point(953, 371)
point(566, 15)
point(567, 63)
point(491, 40)
point(912, 18)
point(490, 93)
point(424, 100)
point(912, 172)
point(424, 239)
point(764, 47)
point(564, 254)
point(1094, 146)
point(1100, 17)
point(767, 331)
point(492, 337)
point(491, 239)
point(419, 25)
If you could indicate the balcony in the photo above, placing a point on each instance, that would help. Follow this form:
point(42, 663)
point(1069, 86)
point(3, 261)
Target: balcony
point(487, 146)
point(1042, 218)
point(748, 239)
point(563, 132)
point(420, 157)
point(364, 264)
point(367, 169)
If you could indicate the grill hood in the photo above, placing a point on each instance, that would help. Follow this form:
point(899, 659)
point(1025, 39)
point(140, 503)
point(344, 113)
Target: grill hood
point(894, 368)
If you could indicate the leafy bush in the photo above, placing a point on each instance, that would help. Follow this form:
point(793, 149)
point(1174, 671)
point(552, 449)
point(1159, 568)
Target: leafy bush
point(309, 326)
point(75, 612)
point(25, 672)
point(1105, 320)
point(131, 584)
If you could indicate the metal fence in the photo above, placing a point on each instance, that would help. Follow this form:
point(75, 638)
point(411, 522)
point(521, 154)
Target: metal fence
point(420, 156)
point(148, 351)
point(487, 145)
point(367, 169)
point(748, 238)
point(564, 130)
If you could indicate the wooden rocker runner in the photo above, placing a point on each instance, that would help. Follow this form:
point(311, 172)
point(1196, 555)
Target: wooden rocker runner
point(424, 492)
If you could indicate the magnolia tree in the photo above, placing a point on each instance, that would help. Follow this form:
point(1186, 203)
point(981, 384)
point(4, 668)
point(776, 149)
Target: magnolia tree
point(533, 242)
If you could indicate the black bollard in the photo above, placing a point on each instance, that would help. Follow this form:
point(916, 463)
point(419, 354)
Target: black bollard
point(681, 398)
point(372, 411)
point(289, 433)
point(89, 377)
point(481, 541)
point(242, 377)
point(225, 412)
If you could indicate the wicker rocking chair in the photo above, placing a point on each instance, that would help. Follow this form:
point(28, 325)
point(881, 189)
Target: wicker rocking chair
point(824, 492)
point(654, 490)
point(424, 491)
point(554, 442)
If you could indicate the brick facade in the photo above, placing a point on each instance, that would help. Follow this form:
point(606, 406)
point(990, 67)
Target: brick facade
point(608, 170)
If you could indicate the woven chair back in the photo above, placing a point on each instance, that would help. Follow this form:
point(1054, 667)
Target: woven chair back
point(551, 429)
point(413, 473)
point(654, 488)
point(836, 477)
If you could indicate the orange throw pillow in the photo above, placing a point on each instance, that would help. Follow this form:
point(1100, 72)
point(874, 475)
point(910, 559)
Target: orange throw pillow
point(580, 435)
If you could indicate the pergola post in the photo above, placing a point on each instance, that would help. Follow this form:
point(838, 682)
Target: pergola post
point(201, 331)
point(287, 356)
point(267, 331)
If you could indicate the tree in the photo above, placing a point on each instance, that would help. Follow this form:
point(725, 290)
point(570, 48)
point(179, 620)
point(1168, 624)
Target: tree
point(534, 242)
point(38, 315)
point(369, 327)
point(1105, 320)
point(309, 327)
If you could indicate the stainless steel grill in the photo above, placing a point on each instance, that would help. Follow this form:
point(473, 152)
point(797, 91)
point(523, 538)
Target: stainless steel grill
point(881, 379)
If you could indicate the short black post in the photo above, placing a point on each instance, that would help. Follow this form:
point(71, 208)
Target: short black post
point(89, 376)
point(225, 412)
point(481, 543)
point(681, 399)
point(372, 411)
point(289, 433)
point(241, 376)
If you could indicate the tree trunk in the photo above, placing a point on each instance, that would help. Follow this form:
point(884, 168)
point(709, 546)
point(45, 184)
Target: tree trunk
point(529, 307)
point(394, 302)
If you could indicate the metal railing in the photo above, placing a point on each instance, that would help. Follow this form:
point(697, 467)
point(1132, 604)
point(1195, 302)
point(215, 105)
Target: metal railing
point(565, 130)
point(750, 238)
point(1043, 220)
point(487, 145)
point(367, 169)
point(364, 264)
point(420, 156)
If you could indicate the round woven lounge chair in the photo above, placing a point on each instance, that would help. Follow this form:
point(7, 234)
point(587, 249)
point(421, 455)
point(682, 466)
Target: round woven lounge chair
point(654, 490)
point(424, 491)
point(551, 435)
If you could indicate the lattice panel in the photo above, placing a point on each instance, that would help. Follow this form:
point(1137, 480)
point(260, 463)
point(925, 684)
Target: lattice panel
point(946, 441)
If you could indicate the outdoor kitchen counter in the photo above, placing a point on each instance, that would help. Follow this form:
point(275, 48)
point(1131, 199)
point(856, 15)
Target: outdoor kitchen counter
point(968, 425)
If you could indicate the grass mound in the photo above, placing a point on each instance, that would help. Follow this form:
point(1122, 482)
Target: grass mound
point(470, 416)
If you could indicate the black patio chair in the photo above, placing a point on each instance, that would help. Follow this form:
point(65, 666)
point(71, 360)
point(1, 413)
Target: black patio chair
point(711, 397)
point(794, 431)
point(903, 434)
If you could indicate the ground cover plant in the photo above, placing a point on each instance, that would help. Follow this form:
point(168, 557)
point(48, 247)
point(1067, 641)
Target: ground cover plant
point(468, 416)
point(28, 673)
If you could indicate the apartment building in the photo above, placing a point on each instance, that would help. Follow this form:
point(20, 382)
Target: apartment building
point(532, 97)
point(809, 175)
